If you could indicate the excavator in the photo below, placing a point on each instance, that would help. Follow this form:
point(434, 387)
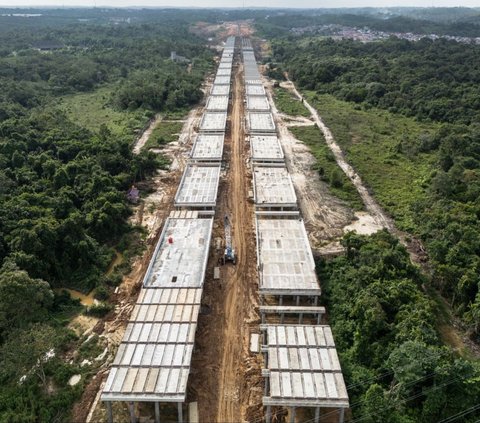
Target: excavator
point(229, 255)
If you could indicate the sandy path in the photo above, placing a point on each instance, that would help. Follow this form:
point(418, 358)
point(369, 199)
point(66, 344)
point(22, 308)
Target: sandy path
point(371, 205)
point(146, 134)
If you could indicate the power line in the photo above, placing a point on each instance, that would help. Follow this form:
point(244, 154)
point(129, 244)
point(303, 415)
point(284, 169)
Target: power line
point(412, 382)
point(411, 397)
point(360, 401)
point(460, 414)
point(380, 376)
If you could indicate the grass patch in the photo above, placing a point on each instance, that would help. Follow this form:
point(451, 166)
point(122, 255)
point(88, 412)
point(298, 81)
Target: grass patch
point(382, 147)
point(92, 110)
point(164, 133)
point(287, 103)
point(176, 114)
point(329, 172)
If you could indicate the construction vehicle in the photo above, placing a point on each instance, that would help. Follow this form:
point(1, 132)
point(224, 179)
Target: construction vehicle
point(229, 255)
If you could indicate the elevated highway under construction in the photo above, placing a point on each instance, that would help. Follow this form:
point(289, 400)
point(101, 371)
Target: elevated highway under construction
point(244, 340)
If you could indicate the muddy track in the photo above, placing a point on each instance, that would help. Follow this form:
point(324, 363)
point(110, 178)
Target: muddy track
point(242, 277)
point(226, 380)
point(228, 401)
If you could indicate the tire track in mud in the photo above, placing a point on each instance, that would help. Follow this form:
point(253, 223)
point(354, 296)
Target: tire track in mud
point(241, 282)
point(226, 379)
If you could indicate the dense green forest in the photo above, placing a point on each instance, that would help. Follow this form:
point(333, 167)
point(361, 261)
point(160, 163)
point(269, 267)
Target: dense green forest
point(63, 186)
point(397, 370)
point(435, 80)
point(57, 176)
point(430, 81)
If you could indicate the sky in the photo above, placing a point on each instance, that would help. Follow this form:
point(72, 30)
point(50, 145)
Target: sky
point(241, 3)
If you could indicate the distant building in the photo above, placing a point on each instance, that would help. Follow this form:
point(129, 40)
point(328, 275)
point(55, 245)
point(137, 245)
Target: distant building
point(133, 194)
point(174, 57)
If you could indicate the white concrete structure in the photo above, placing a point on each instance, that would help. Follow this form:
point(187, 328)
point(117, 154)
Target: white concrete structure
point(286, 264)
point(152, 363)
point(258, 103)
point(222, 80)
point(253, 81)
point(260, 122)
point(250, 66)
point(224, 71)
point(230, 42)
point(302, 370)
point(198, 187)
point(213, 122)
point(225, 64)
point(252, 74)
point(256, 89)
point(300, 311)
point(266, 149)
point(273, 188)
point(181, 254)
point(153, 360)
point(220, 90)
point(217, 103)
point(246, 44)
point(208, 148)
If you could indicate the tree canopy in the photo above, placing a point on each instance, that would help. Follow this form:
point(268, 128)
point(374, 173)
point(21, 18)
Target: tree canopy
point(23, 300)
point(430, 80)
point(395, 366)
point(63, 184)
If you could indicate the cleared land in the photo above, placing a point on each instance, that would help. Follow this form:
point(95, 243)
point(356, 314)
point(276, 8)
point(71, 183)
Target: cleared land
point(92, 110)
point(372, 141)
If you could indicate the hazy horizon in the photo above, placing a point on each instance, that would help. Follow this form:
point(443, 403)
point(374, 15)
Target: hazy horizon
point(307, 4)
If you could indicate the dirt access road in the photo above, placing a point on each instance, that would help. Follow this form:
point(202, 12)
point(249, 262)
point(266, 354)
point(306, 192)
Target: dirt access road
point(226, 379)
point(380, 218)
point(371, 205)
